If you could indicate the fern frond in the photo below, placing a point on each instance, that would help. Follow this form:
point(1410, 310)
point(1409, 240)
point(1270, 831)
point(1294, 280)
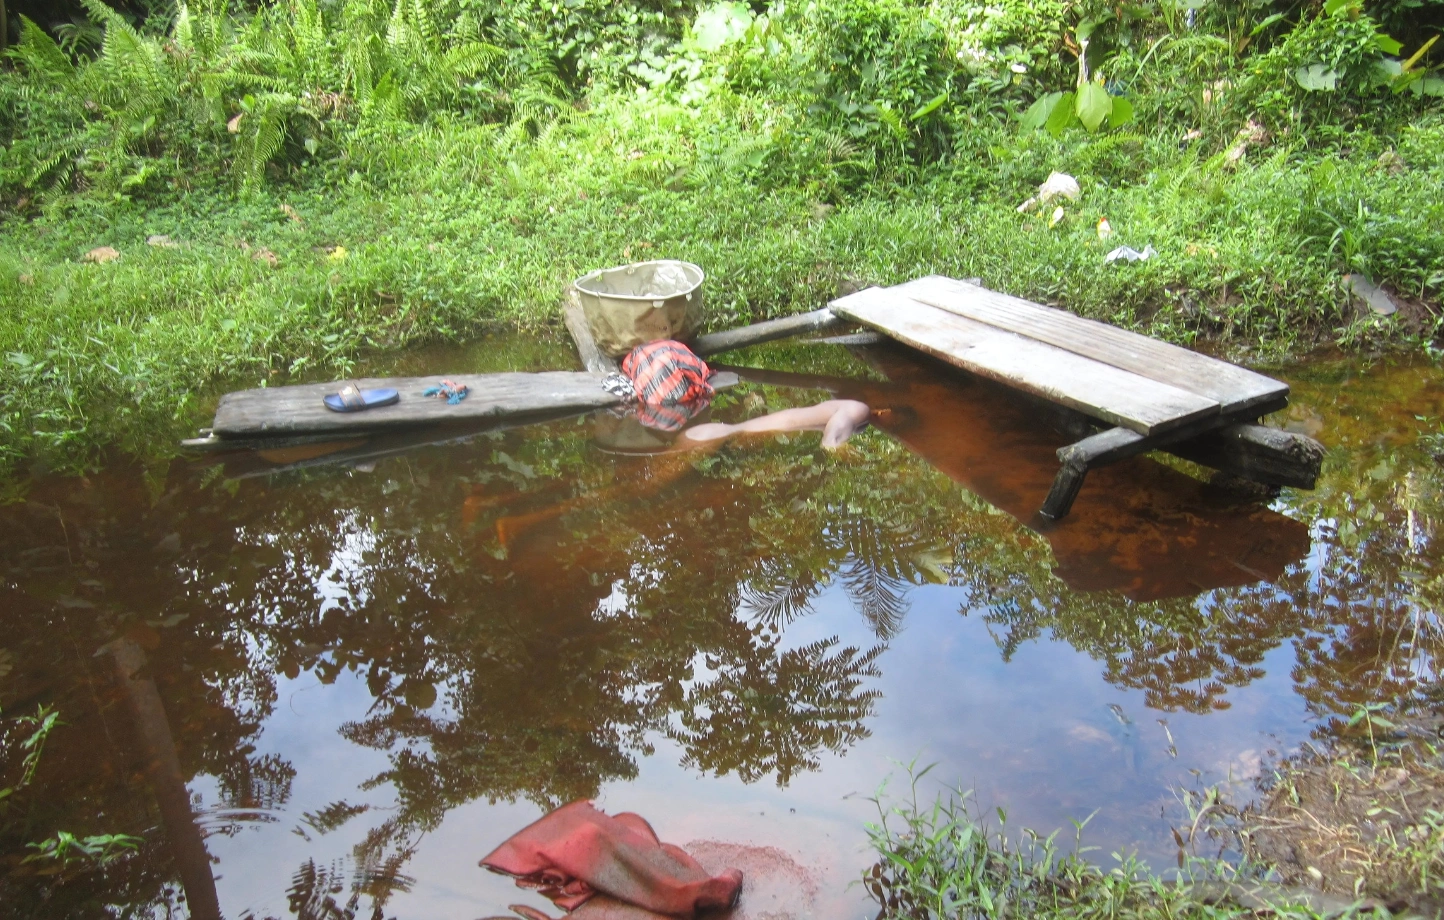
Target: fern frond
point(41, 56)
point(472, 58)
point(397, 29)
point(356, 63)
point(133, 71)
point(104, 16)
point(424, 28)
point(263, 137)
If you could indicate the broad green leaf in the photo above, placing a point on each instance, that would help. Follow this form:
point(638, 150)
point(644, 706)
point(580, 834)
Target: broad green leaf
point(717, 25)
point(1429, 86)
point(1317, 78)
point(931, 107)
point(1122, 112)
point(1388, 45)
point(1088, 26)
point(1093, 105)
point(1266, 22)
point(1062, 117)
point(1040, 111)
point(1334, 6)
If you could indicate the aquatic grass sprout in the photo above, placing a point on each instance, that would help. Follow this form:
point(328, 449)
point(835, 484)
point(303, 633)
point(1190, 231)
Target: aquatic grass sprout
point(62, 847)
point(939, 862)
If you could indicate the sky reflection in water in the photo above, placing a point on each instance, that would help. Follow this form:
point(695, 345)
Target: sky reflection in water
point(375, 677)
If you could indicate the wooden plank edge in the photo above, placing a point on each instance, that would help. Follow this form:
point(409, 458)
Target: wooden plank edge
point(581, 332)
point(1265, 388)
point(1177, 423)
point(771, 330)
point(209, 442)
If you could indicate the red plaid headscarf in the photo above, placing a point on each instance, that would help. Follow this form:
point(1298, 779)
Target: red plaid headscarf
point(671, 383)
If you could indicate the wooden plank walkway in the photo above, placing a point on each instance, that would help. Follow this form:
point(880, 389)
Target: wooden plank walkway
point(1157, 395)
point(1093, 387)
point(294, 410)
point(1153, 395)
point(1234, 388)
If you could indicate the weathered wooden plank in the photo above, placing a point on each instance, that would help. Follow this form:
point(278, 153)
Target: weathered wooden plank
point(850, 339)
point(1258, 453)
point(274, 411)
point(1117, 396)
point(716, 342)
point(587, 349)
point(1239, 447)
point(1231, 386)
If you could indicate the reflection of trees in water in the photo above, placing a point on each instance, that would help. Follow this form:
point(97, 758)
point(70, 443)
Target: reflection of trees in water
point(535, 667)
point(1376, 595)
point(773, 714)
point(526, 619)
point(1362, 613)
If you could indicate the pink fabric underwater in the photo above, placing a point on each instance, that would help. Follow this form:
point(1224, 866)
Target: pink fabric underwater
point(577, 851)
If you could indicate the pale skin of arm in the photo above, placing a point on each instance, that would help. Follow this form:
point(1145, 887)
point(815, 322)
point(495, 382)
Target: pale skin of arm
point(837, 419)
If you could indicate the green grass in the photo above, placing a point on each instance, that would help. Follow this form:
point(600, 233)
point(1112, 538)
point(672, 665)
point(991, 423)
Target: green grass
point(470, 229)
point(939, 861)
point(349, 180)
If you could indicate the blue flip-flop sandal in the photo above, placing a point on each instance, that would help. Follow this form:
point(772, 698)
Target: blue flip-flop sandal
point(350, 399)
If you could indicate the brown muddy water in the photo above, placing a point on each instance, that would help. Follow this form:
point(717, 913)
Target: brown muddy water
point(372, 672)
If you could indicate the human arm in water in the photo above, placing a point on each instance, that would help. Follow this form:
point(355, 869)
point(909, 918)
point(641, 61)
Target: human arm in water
point(837, 419)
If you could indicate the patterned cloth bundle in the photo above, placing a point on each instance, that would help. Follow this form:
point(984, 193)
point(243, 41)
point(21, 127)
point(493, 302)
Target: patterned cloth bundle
point(669, 382)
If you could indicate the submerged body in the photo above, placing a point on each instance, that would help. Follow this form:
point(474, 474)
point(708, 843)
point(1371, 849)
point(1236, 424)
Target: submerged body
point(837, 419)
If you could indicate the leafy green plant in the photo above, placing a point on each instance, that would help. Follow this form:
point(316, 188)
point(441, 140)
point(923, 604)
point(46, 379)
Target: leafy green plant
point(938, 862)
point(63, 846)
point(1090, 104)
point(41, 725)
point(881, 77)
point(1326, 66)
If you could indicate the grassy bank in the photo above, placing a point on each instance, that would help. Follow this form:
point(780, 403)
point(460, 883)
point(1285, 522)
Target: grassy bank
point(290, 234)
point(316, 275)
point(1354, 829)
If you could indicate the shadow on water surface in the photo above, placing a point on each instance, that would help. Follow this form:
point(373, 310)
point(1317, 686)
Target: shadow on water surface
point(346, 658)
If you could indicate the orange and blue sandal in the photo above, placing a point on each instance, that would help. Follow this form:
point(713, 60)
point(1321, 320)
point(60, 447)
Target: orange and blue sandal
point(350, 399)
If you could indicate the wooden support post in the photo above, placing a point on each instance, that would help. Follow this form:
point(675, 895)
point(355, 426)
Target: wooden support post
point(1065, 489)
point(1095, 450)
point(167, 781)
point(715, 342)
point(587, 349)
point(1244, 449)
point(1257, 453)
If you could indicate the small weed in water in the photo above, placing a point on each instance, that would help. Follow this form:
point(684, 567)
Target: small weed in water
point(937, 862)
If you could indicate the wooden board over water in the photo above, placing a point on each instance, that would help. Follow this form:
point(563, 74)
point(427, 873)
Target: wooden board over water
point(1102, 390)
point(1234, 388)
point(279, 411)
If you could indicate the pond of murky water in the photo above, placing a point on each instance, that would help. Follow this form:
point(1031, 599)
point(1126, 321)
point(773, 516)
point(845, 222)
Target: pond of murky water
point(375, 661)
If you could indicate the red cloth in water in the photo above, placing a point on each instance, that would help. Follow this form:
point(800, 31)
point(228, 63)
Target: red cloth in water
point(577, 851)
point(665, 371)
point(671, 383)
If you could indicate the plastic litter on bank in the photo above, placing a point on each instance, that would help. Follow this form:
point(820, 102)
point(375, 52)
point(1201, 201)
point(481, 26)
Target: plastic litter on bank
point(1129, 254)
point(1370, 294)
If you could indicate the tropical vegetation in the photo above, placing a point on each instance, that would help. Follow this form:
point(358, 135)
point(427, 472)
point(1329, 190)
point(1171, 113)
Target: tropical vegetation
point(212, 193)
